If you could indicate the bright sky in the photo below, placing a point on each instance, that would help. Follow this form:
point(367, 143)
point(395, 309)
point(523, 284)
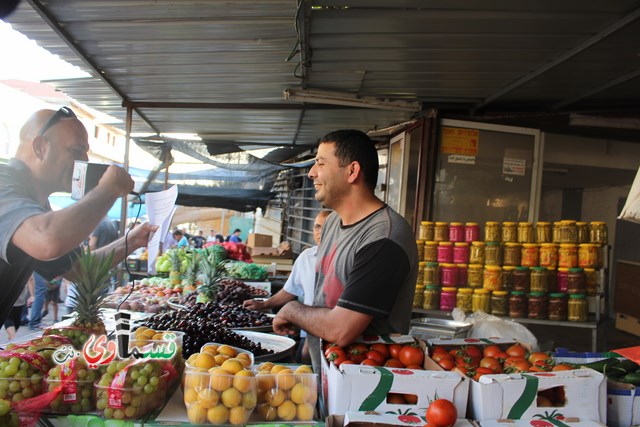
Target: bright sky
point(23, 59)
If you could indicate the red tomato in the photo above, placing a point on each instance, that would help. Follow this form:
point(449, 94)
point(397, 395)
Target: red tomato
point(330, 348)
point(491, 350)
point(410, 355)
point(437, 357)
point(439, 349)
point(418, 367)
point(516, 350)
point(447, 364)
point(538, 356)
point(491, 363)
point(394, 351)
point(520, 366)
point(562, 367)
point(473, 351)
point(482, 371)
point(340, 360)
point(369, 362)
point(381, 348)
point(357, 352)
point(441, 413)
point(501, 356)
point(376, 356)
point(461, 370)
point(334, 353)
point(393, 363)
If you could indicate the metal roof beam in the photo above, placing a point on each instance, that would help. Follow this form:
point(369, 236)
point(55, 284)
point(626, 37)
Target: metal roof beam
point(601, 88)
point(562, 58)
point(230, 105)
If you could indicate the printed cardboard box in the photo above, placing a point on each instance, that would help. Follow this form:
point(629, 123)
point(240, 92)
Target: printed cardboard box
point(577, 393)
point(372, 418)
point(567, 422)
point(365, 388)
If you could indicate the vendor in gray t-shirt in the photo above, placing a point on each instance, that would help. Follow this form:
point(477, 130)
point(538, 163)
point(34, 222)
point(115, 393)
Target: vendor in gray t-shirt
point(367, 259)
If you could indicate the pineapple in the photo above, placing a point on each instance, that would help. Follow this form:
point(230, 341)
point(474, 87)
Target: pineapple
point(210, 275)
point(191, 273)
point(175, 275)
point(91, 275)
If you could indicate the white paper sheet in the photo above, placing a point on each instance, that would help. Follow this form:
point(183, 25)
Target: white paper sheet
point(631, 209)
point(160, 209)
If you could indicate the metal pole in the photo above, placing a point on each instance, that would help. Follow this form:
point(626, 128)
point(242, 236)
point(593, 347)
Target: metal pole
point(123, 205)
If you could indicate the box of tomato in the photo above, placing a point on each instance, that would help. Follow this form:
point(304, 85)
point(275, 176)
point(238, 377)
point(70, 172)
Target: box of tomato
point(388, 375)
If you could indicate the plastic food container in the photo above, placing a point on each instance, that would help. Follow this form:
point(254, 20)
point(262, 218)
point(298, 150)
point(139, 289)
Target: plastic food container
point(430, 251)
point(476, 253)
point(441, 231)
point(431, 300)
point(439, 328)
point(426, 230)
point(492, 278)
point(543, 232)
point(530, 256)
point(74, 384)
point(131, 402)
point(445, 252)
point(289, 395)
point(220, 353)
point(525, 232)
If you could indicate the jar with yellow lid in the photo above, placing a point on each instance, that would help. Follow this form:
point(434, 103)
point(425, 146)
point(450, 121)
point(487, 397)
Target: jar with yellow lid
point(492, 278)
point(426, 230)
point(441, 231)
point(500, 303)
point(421, 267)
point(420, 245)
point(448, 298)
point(431, 274)
point(598, 232)
point(461, 252)
point(456, 232)
point(568, 232)
point(530, 255)
point(568, 255)
point(543, 232)
point(588, 255)
point(445, 252)
point(538, 280)
point(431, 299)
point(418, 296)
point(525, 232)
point(518, 304)
point(448, 274)
point(521, 279)
point(507, 277)
point(491, 231)
point(431, 251)
point(591, 281)
point(480, 301)
point(538, 307)
point(557, 306)
point(583, 232)
point(561, 279)
point(548, 255)
point(474, 275)
point(555, 232)
point(512, 253)
point(492, 253)
point(464, 299)
point(577, 308)
point(471, 232)
point(476, 253)
point(509, 232)
point(463, 270)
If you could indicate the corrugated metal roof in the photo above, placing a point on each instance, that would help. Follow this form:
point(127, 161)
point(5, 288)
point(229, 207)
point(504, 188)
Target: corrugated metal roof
point(230, 56)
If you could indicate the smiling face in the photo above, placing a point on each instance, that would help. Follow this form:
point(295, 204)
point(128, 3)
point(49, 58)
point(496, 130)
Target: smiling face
point(329, 178)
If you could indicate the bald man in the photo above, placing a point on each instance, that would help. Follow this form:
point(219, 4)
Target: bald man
point(32, 237)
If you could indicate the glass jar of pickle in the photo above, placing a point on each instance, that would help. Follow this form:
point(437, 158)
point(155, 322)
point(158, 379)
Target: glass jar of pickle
point(577, 308)
point(445, 252)
point(464, 299)
point(591, 281)
point(538, 280)
point(538, 306)
point(575, 281)
point(598, 232)
point(456, 232)
point(431, 251)
point(517, 304)
point(548, 255)
point(420, 245)
point(418, 296)
point(492, 278)
point(530, 255)
point(463, 271)
point(491, 231)
point(500, 303)
point(480, 301)
point(521, 279)
point(431, 274)
point(474, 275)
point(583, 232)
point(555, 232)
point(426, 230)
point(509, 232)
point(448, 298)
point(471, 232)
point(448, 274)
point(507, 277)
point(441, 231)
point(476, 253)
point(561, 279)
point(568, 232)
point(568, 255)
point(588, 255)
point(543, 232)
point(461, 252)
point(557, 306)
point(421, 267)
point(552, 279)
point(492, 253)
point(525, 232)
point(431, 299)
point(511, 253)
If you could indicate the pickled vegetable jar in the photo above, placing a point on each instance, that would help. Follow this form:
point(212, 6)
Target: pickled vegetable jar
point(456, 232)
point(538, 280)
point(530, 255)
point(461, 252)
point(500, 303)
point(431, 251)
point(568, 232)
point(481, 301)
point(491, 231)
point(521, 279)
point(568, 255)
point(512, 253)
point(464, 299)
point(548, 255)
point(448, 274)
point(431, 274)
point(476, 253)
point(492, 278)
point(576, 283)
point(598, 232)
point(577, 308)
point(431, 300)
point(445, 252)
point(543, 232)
point(562, 277)
point(441, 231)
point(507, 277)
point(492, 253)
point(463, 270)
point(421, 267)
point(591, 281)
point(509, 232)
point(517, 304)
point(588, 255)
point(426, 230)
point(471, 232)
point(420, 245)
point(538, 306)
point(583, 232)
point(525, 232)
point(448, 298)
point(557, 306)
point(474, 275)
point(555, 234)
point(418, 296)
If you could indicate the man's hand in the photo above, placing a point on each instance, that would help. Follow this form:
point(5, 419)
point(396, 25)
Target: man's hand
point(254, 304)
point(117, 180)
point(283, 327)
point(140, 235)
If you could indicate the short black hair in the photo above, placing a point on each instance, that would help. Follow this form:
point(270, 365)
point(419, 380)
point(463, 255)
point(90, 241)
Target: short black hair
point(355, 146)
point(237, 230)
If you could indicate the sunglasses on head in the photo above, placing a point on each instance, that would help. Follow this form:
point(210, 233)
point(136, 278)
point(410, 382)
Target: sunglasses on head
point(62, 113)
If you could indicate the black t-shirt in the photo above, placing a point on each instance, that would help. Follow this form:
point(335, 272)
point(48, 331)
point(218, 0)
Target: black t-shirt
point(198, 241)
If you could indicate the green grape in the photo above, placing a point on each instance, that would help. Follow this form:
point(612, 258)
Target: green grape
point(86, 404)
point(142, 380)
point(5, 407)
point(130, 411)
point(4, 394)
point(112, 368)
point(101, 404)
point(136, 401)
point(82, 374)
point(24, 366)
point(154, 381)
point(17, 397)
point(27, 392)
point(149, 389)
point(25, 383)
point(14, 386)
point(10, 371)
point(134, 375)
point(4, 384)
point(86, 392)
point(21, 374)
point(75, 408)
point(108, 412)
point(36, 379)
point(118, 414)
point(15, 361)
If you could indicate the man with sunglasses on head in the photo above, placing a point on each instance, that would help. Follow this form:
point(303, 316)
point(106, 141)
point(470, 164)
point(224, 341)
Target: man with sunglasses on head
point(32, 236)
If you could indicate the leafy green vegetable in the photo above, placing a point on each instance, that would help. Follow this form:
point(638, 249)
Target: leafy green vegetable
point(244, 270)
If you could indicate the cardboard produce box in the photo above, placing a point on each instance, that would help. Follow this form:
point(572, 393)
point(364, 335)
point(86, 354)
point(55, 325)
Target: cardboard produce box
point(628, 323)
point(372, 418)
point(365, 388)
point(259, 240)
point(577, 393)
point(262, 251)
point(541, 422)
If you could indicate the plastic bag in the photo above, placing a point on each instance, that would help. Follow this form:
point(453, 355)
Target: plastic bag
point(488, 326)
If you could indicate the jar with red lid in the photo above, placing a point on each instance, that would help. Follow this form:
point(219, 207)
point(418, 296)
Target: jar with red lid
point(448, 298)
point(471, 232)
point(441, 231)
point(521, 279)
point(576, 281)
point(461, 252)
point(430, 251)
point(568, 255)
point(529, 255)
point(538, 307)
point(562, 278)
point(509, 232)
point(448, 274)
point(525, 232)
point(456, 232)
point(445, 252)
point(462, 274)
point(548, 255)
point(518, 304)
point(511, 254)
point(557, 306)
point(476, 253)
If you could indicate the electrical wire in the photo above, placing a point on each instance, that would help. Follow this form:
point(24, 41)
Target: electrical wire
point(126, 249)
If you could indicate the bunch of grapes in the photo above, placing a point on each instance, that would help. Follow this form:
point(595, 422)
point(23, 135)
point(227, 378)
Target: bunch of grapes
point(45, 346)
point(144, 389)
point(77, 335)
point(8, 418)
point(19, 379)
point(77, 381)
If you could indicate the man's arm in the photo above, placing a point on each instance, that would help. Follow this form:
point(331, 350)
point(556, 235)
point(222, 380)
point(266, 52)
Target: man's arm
point(138, 237)
point(279, 299)
point(337, 325)
point(31, 285)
